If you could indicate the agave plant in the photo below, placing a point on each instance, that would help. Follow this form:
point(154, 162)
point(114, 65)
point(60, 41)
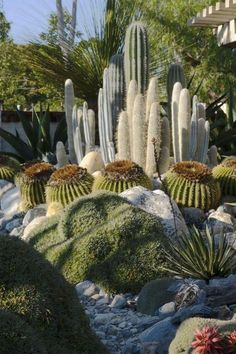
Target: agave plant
point(38, 138)
point(201, 256)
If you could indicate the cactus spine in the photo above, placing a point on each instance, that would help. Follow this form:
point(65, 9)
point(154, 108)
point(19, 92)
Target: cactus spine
point(62, 159)
point(123, 144)
point(184, 123)
point(136, 60)
point(116, 92)
point(102, 128)
point(69, 104)
point(152, 95)
point(175, 119)
point(138, 132)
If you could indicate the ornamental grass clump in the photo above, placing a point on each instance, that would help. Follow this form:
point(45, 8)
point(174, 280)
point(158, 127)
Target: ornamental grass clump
point(67, 184)
point(191, 184)
point(225, 174)
point(32, 184)
point(201, 256)
point(121, 175)
point(8, 168)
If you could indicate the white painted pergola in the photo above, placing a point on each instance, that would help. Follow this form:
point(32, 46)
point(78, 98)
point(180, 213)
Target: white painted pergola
point(222, 18)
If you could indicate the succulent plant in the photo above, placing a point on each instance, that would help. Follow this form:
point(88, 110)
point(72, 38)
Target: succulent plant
point(33, 180)
point(8, 167)
point(121, 175)
point(208, 340)
point(191, 184)
point(225, 174)
point(68, 183)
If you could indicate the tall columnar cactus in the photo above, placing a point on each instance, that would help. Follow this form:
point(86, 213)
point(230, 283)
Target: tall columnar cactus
point(138, 131)
point(212, 156)
point(116, 91)
point(123, 143)
point(152, 95)
point(136, 60)
point(184, 124)
point(69, 104)
point(175, 119)
point(102, 128)
point(175, 74)
point(62, 159)
point(191, 184)
point(131, 94)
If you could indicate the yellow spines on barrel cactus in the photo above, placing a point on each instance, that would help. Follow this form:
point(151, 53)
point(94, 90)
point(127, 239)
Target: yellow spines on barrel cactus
point(68, 183)
point(225, 174)
point(8, 167)
point(32, 184)
point(191, 184)
point(121, 175)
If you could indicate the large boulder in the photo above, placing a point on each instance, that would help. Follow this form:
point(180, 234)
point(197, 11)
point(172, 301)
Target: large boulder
point(10, 201)
point(104, 238)
point(219, 221)
point(33, 290)
point(185, 333)
point(155, 294)
point(158, 203)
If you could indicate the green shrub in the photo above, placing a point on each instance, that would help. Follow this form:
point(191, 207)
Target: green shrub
point(108, 241)
point(33, 290)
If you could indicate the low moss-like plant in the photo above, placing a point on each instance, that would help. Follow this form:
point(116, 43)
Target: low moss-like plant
point(30, 288)
point(225, 174)
point(32, 184)
point(121, 175)
point(68, 183)
point(191, 184)
point(104, 238)
point(8, 168)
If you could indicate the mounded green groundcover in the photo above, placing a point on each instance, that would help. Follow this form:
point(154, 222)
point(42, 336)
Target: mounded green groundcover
point(103, 238)
point(39, 311)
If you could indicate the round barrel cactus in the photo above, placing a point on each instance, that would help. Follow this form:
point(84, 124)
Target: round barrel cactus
point(68, 183)
point(225, 174)
point(121, 175)
point(8, 167)
point(191, 184)
point(32, 183)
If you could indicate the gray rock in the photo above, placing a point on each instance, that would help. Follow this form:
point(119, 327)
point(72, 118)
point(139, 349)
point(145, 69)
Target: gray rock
point(39, 210)
point(17, 231)
point(155, 294)
point(160, 334)
point(199, 310)
point(91, 290)
point(10, 201)
point(34, 223)
point(13, 224)
point(167, 310)
point(5, 186)
point(118, 302)
point(194, 216)
point(82, 286)
point(225, 208)
point(103, 318)
point(157, 203)
point(221, 222)
point(230, 281)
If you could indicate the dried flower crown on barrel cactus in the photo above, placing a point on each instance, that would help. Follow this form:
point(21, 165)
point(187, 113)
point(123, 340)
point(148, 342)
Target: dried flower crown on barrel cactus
point(68, 183)
point(33, 182)
point(225, 174)
point(23, 167)
point(191, 184)
point(121, 175)
point(8, 167)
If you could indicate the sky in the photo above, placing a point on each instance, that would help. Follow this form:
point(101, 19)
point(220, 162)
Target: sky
point(30, 17)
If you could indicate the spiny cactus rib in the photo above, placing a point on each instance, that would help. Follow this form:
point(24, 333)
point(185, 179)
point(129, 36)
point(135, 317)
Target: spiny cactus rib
point(62, 159)
point(152, 95)
point(225, 174)
point(121, 175)
point(165, 133)
point(212, 156)
point(138, 133)
point(102, 129)
point(184, 122)
point(175, 74)
point(132, 93)
point(164, 160)
point(205, 143)
point(191, 184)
point(67, 184)
point(154, 128)
point(87, 135)
point(193, 136)
point(200, 139)
point(69, 104)
point(136, 60)
point(116, 93)
point(175, 123)
point(91, 122)
point(123, 137)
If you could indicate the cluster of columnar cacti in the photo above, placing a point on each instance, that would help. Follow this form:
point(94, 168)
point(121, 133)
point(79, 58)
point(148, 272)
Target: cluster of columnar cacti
point(8, 167)
point(225, 174)
point(175, 74)
point(139, 125)
point(68, 183)
point(191, 184)
point(190, 130)
point(32, 183)
point(80, 128)
point(121, 175)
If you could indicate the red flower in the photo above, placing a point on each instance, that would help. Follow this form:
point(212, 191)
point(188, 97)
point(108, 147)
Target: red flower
point(208, 341)
point(231, 343)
